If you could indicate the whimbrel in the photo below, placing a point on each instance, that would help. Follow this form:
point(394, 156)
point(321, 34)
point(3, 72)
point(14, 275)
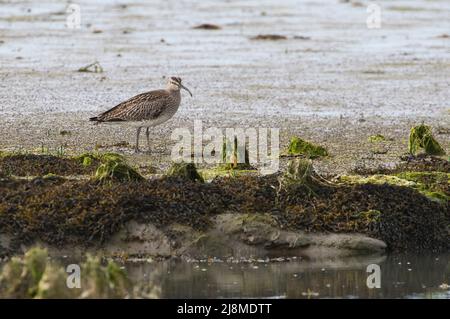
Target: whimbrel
point(147, 109)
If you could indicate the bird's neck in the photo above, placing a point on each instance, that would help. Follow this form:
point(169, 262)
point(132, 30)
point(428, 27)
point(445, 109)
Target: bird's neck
point(172, 91)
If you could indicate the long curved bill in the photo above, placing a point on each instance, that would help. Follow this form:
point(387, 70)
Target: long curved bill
point(183, 87)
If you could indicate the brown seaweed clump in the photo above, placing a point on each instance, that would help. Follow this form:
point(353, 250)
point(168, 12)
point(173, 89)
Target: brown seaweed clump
point(272, 37)
point(88, 213)
point(39, 165)
point(207, 26)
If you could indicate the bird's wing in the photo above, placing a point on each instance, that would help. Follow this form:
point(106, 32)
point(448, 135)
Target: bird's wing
point(146, 106)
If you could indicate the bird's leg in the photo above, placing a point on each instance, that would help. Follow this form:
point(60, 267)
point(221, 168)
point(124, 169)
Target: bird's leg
point(147, 134)
point(136, 149)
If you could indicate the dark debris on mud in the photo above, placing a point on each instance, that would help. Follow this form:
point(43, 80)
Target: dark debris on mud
point(39, 165)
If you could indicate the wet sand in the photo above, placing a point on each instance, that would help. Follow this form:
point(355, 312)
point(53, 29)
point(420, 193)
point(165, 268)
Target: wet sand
point(338, 87)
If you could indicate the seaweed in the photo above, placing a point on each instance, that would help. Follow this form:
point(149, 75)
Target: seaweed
point(376, 138)
point(94, 67)
point(207, 26)
point(185, 171)
point(298, 146)
point(273, 37)
point(434, 185)
point(112, 170)
point(58, 211)
point(40, 165)
point(86, 213)
point(421, 137)
point(36, 276)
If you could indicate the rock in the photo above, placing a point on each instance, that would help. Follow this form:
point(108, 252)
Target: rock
point(262, 232)
point(237, 236)
point(354, 242)
point(139, 239)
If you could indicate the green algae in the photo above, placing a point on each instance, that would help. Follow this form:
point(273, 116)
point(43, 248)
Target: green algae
point(434, 185)
point(377, 179)
point(112, 167)
point(37, 276)
point(298, 146)
point(185, 171)
point(425, 177)
point(116, 171)
point(94, 67)
point(88, 159)
point(421, 138)
point(300, 173)
point(377, 138)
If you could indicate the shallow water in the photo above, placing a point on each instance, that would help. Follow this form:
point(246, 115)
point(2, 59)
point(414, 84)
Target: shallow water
point(402, 276)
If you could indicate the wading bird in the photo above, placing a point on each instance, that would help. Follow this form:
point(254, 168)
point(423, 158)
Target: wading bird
point(147, 109)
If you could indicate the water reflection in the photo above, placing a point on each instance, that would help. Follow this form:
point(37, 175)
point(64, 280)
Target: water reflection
point(402, 276)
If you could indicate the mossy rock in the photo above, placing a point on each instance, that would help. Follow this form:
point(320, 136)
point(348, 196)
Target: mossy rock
point(116, 171)
point(185, 171)
point(88, 159)
point(421, 137)
point(298, 146)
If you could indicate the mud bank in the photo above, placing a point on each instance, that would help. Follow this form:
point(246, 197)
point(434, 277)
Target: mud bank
point(236, 216)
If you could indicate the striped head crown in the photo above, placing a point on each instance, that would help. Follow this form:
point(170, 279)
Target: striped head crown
point(174, 84)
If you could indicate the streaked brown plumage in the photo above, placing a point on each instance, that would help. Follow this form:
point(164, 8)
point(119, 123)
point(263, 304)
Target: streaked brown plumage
point(146, 109)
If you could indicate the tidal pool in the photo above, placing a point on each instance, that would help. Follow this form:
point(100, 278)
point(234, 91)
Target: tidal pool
point(402, 276)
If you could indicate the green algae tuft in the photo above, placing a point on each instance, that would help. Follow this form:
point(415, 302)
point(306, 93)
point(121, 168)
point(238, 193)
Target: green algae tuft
point(377, 138)
point(36, 276)
point(298, 146)
point(421, 138)
point(116, 171)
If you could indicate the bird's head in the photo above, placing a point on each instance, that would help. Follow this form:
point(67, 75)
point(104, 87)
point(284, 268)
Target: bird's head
point(174, 84)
